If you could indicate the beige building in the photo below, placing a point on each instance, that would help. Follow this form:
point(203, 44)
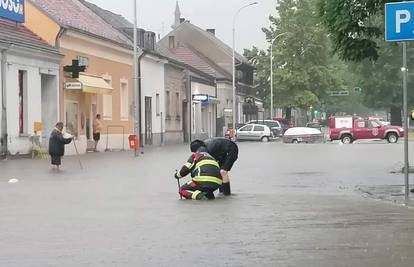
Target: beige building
point(107, 81)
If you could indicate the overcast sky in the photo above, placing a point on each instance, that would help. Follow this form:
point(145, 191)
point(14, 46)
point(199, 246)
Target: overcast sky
point(158, 16)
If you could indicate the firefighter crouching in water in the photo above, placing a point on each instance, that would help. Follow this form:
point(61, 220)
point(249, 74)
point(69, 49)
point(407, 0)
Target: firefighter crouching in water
point(205, 173)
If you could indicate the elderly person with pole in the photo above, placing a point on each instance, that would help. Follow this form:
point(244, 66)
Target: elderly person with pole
point(57, 145)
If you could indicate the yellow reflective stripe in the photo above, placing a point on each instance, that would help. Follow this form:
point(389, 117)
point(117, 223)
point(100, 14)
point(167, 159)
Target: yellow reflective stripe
point(208, 179)
point(195, 194)
point(189, 165)
point(207, 162)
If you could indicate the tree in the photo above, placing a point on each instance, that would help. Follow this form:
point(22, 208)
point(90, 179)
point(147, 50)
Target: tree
point(353, 26)
point(302, 63)
point(356, 28)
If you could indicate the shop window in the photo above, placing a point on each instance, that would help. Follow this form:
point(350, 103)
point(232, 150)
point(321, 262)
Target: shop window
point(72, 117)
point(124, 101)
point(23, 102)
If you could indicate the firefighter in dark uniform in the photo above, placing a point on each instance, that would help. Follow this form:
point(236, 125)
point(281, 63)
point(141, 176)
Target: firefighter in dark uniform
point(225, 152)
point(205, 173)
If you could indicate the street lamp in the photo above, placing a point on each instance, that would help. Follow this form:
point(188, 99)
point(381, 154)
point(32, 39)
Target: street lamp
point(137, 104)
point(234, 61)
point(271, 71)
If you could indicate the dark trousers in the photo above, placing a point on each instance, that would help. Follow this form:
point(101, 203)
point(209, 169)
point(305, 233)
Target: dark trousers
point(198, 190)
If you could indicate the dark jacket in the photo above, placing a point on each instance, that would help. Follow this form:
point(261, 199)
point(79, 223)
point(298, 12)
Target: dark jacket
point(57, 143)
point(224, 151)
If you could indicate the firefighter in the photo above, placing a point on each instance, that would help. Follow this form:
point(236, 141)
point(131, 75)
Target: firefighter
point(225, 152)
point(205, 173)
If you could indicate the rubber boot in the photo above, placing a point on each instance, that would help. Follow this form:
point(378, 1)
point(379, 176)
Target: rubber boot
point(225, 189)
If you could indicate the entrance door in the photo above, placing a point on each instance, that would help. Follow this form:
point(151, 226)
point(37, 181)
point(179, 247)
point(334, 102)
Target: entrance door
point(72, 111)
point(148, 121)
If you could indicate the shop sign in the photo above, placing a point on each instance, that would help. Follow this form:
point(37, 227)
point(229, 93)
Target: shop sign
point(73, 86)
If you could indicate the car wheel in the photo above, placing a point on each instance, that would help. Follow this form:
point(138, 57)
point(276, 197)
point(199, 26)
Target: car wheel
point(392, 138)
point(346, 139)
point(265, 139)
point(295, 141)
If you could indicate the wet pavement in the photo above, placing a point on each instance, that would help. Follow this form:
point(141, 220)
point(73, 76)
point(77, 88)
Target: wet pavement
point(294, 205)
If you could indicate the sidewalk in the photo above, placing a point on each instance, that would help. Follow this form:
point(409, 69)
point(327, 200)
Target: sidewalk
point(389, 193)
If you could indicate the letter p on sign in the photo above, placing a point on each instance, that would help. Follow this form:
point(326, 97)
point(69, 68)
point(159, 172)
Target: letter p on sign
point(402, 17)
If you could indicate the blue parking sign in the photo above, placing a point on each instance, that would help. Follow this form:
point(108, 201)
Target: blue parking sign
point(399, 21)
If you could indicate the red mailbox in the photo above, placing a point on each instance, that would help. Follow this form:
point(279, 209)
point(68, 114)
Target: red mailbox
point(133, 142)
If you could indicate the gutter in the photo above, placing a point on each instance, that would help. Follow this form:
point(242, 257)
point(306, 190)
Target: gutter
point(4, 135)
point(141, 143)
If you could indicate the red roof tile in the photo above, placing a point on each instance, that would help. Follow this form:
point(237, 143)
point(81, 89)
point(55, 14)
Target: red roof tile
point(15, 33)
point(73, 14)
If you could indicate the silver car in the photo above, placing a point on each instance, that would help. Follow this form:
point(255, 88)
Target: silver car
point(256, 132)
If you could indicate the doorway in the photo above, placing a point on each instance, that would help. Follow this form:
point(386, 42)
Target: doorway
point(185, 123)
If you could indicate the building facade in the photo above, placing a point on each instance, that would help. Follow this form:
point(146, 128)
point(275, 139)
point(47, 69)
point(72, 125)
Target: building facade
point(107, 81)
point(29, 88)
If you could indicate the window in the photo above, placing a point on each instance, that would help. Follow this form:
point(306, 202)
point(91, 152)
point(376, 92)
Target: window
point(167, 103)
point(361, 124)
point(71, 117)
point(157, 104)
point(259, 128)
point(246, 128)
point(107, 107)
point(22, 102)
point(124, 101)
point(171, 42)
point(177, 104)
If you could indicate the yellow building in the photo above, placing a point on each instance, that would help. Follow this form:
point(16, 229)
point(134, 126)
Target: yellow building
point(107, 82)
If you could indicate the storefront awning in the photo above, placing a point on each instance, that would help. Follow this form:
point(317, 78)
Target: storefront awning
point(94, 84)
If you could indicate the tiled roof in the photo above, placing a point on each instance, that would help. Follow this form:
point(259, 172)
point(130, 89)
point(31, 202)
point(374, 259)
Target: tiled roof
point(116, 20)
point(191, 57)
point(73, 14)
point(15, 33)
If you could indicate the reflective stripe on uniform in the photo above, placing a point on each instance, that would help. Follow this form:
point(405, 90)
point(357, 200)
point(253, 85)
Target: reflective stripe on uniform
point(211, 179)
point(195, 194)
point(207, 162)
point(189, 165)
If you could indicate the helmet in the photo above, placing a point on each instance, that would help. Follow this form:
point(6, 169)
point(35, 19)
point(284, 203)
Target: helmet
point(196, 144)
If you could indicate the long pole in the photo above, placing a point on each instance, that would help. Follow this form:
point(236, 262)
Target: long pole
point(234, 77)
point(271, 80)
point(137, 104)
point(234, 61)
point(406, 164)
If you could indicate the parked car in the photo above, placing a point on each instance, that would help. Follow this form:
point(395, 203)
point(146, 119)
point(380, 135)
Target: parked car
point(303, 135)
point(382, 120)
point(274, 126)
point(348, 129)
point(314, 125)
point(284, 123)
point(256, 132)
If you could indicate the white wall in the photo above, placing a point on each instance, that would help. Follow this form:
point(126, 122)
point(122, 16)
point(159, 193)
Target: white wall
point(224, 93)
point(20, 143)
point(152, 83)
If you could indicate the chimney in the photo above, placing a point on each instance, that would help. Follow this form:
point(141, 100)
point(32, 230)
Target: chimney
point(149, 40)
point(182, 20)
point(212, 31)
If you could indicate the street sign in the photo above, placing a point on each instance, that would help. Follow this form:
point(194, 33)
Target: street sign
point(202, 98)
point(399, 21)
point(73, 86)
point(338, 93)
point(12, 10)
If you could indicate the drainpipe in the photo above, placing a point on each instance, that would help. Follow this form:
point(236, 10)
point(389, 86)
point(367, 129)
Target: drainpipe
point(4, 135)
point(139, 106)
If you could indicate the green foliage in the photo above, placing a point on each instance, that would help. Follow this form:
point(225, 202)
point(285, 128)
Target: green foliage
point(354, 26)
